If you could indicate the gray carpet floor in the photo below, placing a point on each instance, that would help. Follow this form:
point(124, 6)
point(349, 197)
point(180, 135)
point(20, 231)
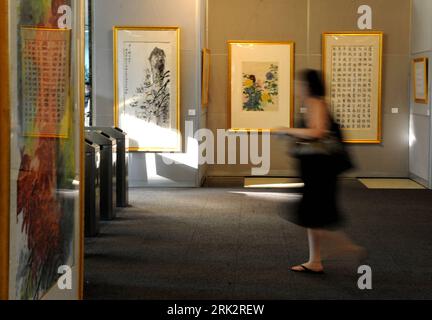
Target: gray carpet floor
point(239, 244)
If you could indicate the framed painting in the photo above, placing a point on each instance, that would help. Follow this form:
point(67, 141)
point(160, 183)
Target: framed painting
point(421, 80)
point(44, 79)
point(147, 87)
point(352, 69)
point(206, 62)
point(261, 85)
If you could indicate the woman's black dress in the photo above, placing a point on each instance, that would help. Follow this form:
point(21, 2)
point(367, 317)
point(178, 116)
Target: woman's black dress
point(318, 207)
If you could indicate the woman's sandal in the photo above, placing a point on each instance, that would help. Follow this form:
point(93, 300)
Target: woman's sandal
point(307, 270)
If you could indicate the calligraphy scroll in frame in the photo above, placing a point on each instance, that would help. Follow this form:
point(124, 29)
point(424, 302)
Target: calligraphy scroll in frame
point(45, 82)
point(421, 80)
point(352, 68)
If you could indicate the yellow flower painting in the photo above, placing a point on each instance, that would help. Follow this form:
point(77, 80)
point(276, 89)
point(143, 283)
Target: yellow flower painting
point(260, 86)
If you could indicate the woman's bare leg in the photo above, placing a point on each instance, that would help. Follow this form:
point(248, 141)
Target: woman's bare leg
point(314, 263)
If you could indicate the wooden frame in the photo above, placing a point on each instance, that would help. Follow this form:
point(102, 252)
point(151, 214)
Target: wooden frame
point(5, 154)
point(360, 135)
point(117, 119)
point(206, 65)
point(290, 76)
point(423, 63)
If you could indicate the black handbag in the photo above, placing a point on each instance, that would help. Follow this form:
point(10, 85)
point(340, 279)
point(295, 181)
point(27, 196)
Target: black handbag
point(331, 145)
point(342, 159)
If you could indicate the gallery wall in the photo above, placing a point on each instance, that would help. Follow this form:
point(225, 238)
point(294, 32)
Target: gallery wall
point(303, 21)
point(149, 169)
point(420, 135)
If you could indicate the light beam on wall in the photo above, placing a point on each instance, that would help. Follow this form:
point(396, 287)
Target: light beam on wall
point(412, 136)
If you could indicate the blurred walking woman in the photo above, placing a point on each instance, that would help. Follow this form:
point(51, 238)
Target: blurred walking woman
point(318, 208)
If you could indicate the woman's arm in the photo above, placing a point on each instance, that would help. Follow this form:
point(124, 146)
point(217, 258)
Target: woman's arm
point(316, 121)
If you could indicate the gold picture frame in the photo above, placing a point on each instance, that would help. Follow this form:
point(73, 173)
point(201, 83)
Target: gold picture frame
point(364, 126)
point(5, 154)
point(420, 76)
point(157, 36)
point(276, 57)
point(206, 64)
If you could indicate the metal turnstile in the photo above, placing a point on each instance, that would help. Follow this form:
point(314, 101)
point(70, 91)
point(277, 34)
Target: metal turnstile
point(122, 163)
point(92, 189)
point(108, 157)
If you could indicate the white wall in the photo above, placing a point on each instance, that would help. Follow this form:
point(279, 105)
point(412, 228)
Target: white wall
point(420, 119)
point(148, 169)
